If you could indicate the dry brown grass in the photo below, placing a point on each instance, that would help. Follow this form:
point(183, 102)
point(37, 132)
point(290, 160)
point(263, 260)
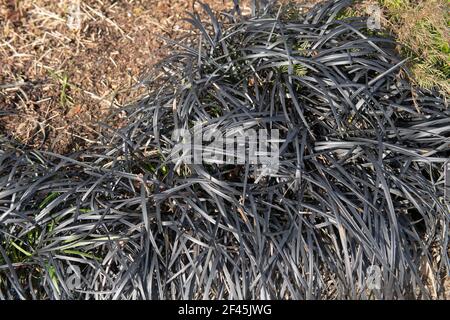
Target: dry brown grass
point(421, 27)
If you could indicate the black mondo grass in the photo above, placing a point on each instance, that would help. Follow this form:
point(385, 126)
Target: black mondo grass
point(359, 188)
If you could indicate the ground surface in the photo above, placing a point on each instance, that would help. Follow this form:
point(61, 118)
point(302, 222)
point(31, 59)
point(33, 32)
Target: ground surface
point(58, 80)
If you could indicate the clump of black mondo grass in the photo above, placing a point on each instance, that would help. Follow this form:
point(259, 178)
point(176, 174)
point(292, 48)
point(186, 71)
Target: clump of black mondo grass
point(356, 208)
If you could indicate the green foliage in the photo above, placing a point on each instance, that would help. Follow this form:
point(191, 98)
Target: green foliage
point(347, 13)
point(298, 69)
point(65, 86)
point(422, 30)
